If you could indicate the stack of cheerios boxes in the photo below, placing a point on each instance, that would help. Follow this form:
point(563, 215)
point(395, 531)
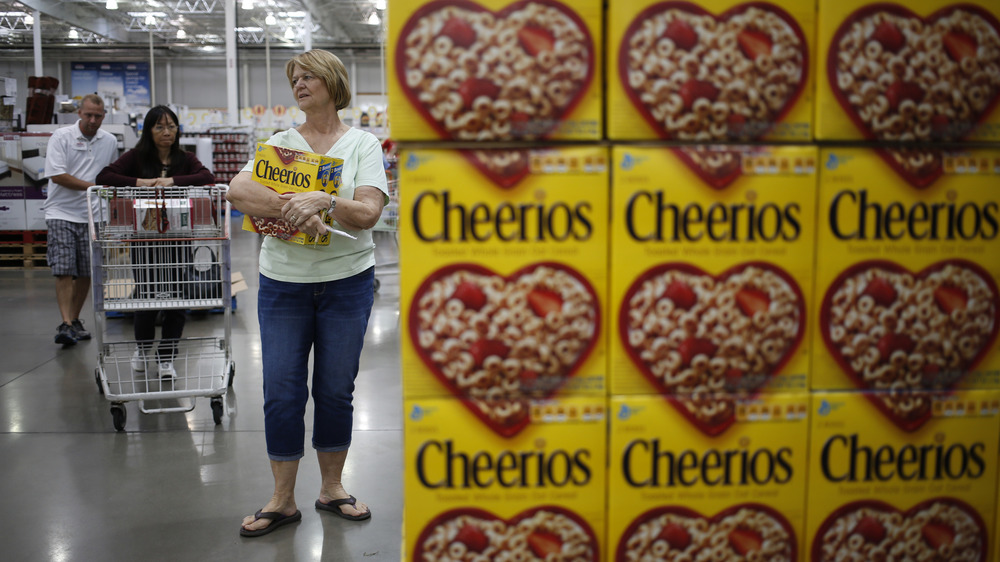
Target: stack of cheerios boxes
point(503, 277)
point(710, 280)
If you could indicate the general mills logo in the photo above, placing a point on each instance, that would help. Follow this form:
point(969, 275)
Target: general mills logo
point(834, 161)
point(418, 413)
point(413, 161)
point(629, 161)
point(626, 411)
point(826, 407)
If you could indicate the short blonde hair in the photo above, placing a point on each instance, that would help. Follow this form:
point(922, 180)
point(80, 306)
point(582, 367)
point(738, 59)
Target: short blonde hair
point(328, 68)
point(92, 98)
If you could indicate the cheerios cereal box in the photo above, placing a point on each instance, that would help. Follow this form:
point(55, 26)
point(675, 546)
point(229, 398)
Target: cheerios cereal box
point(711, 268)
point(919, 70)
point(906, 287)
point(470, 494)
point(503, 275)
point(682, 495)
point(287, 170)
point(881, 492)
point(495, 70)
point(710, 71)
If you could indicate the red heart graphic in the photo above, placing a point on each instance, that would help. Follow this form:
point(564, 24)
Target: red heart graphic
point(479, 75)
point(505, 167)
point(935, 529)
point(715, 166)
point(286, 155)
point(738, 530)
point(499, 341)
point(532, 534)
point(892, 330)
point(903, 77)
point(694, 335)
point(689, 86)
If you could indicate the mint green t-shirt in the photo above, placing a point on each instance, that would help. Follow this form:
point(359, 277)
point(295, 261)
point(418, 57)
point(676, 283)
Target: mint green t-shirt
point(295, 263)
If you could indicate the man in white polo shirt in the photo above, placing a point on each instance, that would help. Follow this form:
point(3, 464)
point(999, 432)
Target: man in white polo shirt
point(74, 156)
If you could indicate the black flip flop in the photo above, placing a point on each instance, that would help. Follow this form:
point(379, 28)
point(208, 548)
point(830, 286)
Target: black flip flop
point(334, 507)
point(277, 520)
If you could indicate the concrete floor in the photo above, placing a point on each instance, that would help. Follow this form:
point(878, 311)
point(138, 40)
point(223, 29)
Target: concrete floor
point(175, 486)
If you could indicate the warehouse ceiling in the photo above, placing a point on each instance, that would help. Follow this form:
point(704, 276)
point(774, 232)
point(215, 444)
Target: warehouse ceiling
point(191, 25)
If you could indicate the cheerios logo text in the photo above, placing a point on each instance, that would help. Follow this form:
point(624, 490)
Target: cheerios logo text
point(439, 465)
point(437, 219)
point(738, 222)
point(844, 459)
point(646, 463)
point(854, 216)
point(264, 170)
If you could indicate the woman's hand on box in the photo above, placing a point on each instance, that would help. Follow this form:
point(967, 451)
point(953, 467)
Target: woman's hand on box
point(301, 206)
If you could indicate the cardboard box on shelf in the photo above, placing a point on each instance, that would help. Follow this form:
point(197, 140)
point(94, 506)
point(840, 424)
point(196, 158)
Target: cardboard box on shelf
point(923, 70)
point(504, 275)
point(711, 269)
point(739, 493)
point(711, 71)
point(881, 490)
point(468, 491)
point(495, 70)
point(906, 290)
point(286, 170)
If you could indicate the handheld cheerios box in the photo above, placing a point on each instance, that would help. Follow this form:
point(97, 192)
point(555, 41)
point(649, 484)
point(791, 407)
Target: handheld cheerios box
point(286, 170)
point(921, 70)
point(710, 71)
point(711, 266)
point(906, 290)
point(503, 276)
point(472, 495)
point(495, 70)
point(880, 492)
point(682, 495)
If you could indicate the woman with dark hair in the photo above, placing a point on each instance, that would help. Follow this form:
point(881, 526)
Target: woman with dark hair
point(157, 161)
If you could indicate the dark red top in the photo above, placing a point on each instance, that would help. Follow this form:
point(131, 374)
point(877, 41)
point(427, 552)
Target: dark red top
point(124, 171)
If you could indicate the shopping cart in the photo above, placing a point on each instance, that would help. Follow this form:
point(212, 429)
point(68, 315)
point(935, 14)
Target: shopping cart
point(156, 249)
point(389, 223)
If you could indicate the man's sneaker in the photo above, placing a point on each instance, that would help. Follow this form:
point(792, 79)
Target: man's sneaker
point(167, 370)
point(81, 332)
point(65, 334)
point(139, 361)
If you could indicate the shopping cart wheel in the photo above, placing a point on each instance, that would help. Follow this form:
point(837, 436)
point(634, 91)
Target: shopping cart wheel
point(232, 374)
point(118, 416)
point(377, 284)
point(97, 377)
point(217, 410)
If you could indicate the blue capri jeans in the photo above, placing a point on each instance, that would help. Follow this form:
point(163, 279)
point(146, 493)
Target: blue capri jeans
point(329, 319)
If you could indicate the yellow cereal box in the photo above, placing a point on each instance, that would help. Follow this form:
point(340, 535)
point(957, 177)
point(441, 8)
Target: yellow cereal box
point(920, 70)
point(470, 494)
point(286, 170)
point(710, 71)
point(495, 70)
point(681, 495)
point(878, 491)
point(711, 265)
point(906, 287)
point(503, 275)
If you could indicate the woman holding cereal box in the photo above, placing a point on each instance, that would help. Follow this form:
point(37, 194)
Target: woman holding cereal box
point(314, 297)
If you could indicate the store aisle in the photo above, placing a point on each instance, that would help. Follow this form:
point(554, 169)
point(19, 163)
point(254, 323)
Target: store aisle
point(175, 486)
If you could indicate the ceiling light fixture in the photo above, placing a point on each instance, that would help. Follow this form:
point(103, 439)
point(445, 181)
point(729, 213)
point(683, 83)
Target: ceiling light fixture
point(247, 4)
point(373, 19)
point(379, 4)
point(73, 33)
point(150, 20)
point(181, 34)
point(111, 5)
point(270, 20)
point(29, 20)
point(289, 33)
